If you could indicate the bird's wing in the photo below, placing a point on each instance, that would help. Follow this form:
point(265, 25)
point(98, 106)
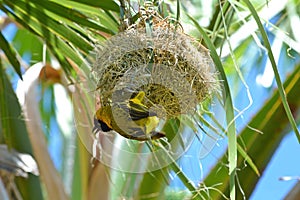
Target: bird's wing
point(138, 111)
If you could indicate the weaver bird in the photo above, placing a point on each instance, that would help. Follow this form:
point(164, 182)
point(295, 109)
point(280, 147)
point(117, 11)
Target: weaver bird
point(131, 119)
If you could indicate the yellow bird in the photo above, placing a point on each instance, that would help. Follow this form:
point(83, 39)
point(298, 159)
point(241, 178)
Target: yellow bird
point(131, 119)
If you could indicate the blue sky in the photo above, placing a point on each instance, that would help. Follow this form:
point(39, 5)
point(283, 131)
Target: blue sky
point(285, 162)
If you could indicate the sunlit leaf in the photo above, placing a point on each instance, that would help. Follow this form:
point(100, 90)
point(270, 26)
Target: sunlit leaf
point(11, 54)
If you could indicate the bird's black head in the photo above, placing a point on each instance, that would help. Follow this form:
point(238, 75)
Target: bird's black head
point(100, 126)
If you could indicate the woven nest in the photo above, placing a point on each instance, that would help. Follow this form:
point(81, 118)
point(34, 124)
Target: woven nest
point(172, 69)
